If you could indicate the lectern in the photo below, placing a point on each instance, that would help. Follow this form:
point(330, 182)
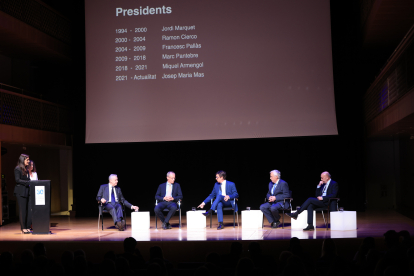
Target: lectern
point(40, 197)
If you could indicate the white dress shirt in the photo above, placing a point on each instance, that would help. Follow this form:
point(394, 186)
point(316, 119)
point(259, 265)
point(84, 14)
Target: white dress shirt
point(223, 188)
point(110, 193)
point(166, 188)
point(33, 176)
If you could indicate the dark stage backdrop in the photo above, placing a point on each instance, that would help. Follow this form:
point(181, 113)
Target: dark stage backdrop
point(141, 167)
point(198, 70)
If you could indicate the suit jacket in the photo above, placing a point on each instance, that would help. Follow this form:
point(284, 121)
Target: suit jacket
point(176, 192)
point(230, 191)
point(281, 192)
point(104, 193)
point(22, 187)
point(331, 192)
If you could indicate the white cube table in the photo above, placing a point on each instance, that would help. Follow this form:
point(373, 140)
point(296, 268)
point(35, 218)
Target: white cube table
point(140, 220)
point(252, 219)
point(302, 221)
point(196, 219)
point(345, 220)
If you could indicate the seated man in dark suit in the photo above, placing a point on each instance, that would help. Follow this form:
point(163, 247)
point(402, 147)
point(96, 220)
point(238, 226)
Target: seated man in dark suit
point(168, 194)
point(326, 189)
point(224, 192)
point(278, 191)
point(110, 196)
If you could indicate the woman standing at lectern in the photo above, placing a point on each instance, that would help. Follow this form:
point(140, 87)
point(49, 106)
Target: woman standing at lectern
point(31, 170)
point(22, 193)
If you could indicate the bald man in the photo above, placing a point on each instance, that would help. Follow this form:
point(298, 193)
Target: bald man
point(326, 189)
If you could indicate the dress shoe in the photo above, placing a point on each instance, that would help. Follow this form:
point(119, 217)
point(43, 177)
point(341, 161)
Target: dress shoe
point(293, 215)
point(309, 228)
point(164, 226)
point(220, 227)
point(275, 224)
point(169, 225)
point(209, 212)
point(119, 224)
point(123, 224)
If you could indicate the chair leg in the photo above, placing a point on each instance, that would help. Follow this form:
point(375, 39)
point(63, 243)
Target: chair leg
point(99, 218)
point(329, 219)
point(156, 220)
point(328, 226)
point(179, 218)
point(324, 219)
point(237, 214)
point(125, 218)
point(283, 219)
point(211, 220)
point(263, 220)
point(234, 219)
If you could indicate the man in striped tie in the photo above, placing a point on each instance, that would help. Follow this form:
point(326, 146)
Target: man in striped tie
point(326, 189)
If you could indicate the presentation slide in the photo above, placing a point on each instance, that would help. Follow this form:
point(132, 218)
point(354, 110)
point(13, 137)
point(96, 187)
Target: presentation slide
point(177, 70)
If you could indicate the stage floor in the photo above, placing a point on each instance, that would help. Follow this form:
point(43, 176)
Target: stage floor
point(370, 224)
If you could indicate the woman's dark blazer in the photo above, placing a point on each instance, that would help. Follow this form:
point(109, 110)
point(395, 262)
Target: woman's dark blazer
point(22, 183)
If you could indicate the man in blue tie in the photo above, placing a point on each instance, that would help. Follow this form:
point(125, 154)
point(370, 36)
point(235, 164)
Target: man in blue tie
point(110, 196)
point(168, 194)
point(326, 189)
point(278, 191)
point(224, 192)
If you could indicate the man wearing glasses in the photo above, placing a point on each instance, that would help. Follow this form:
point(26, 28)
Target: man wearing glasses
point(168, 194)
point(224, 192)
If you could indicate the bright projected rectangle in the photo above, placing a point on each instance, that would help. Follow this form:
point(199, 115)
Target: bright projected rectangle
point(199, 70)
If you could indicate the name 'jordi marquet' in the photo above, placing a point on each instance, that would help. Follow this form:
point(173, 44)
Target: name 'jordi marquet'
point(177, 28)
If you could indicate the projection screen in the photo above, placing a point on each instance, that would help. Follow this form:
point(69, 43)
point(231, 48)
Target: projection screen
point(200, 70)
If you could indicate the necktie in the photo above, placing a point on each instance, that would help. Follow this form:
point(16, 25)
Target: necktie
point(169, 190)
point(324, 189)
point(113, 195)
point(273, 189)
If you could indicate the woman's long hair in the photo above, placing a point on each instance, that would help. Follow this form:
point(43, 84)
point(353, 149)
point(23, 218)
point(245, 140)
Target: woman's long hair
point(34, 166)
point(20, 163)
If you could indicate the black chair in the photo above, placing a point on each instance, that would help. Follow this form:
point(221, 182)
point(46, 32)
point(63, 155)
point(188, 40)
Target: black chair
point(235, 213)
point(166, 210)
point(289, 199)
point(332, 206)
point(103, 211)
